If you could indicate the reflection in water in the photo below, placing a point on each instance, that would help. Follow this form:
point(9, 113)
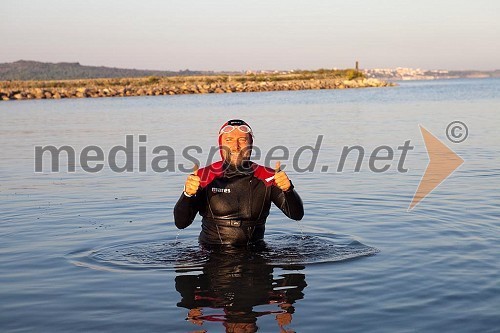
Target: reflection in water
point(233, 286)
point(233, 283)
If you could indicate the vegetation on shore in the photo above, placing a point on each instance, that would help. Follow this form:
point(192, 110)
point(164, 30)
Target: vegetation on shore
point(321, 74)
point(24, 70)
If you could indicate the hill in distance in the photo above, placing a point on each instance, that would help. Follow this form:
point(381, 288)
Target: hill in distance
point(25, 70)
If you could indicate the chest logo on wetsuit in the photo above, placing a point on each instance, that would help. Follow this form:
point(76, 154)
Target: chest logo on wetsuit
point(221, 190)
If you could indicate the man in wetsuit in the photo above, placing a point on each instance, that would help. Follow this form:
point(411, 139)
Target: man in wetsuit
point(234, 195)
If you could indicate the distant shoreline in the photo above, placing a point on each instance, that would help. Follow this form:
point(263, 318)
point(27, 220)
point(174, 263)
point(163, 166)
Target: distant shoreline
point(156, 86)
point(410, 74)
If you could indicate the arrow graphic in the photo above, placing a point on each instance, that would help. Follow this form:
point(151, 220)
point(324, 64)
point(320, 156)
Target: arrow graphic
point(442, 162)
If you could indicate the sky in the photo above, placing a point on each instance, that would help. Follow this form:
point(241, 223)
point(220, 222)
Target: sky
point(254, 35)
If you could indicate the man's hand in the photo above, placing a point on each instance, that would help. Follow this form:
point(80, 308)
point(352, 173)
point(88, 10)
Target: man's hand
point(192, 182)
point(281, 179)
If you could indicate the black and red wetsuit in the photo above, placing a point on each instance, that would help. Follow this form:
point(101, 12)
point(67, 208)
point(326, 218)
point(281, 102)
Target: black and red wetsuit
point(234, 203)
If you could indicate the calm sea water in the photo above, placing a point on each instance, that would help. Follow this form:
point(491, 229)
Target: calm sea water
point(98, 252)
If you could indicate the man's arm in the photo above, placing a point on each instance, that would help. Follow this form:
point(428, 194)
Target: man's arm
point(185, 210)
point(187, 206)
point(288, 201)
point(284, 196)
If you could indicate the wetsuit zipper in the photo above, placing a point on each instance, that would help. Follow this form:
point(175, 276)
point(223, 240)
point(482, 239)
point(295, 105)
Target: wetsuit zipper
point(250, 200)
point(249, 213)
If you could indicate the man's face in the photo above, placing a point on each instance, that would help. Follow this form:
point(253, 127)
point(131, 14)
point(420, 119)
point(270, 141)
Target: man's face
point(236, 146)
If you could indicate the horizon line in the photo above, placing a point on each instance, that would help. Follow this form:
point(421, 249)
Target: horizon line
point(242, 70)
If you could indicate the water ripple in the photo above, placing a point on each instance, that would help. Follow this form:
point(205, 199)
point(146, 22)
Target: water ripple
point(280, 250)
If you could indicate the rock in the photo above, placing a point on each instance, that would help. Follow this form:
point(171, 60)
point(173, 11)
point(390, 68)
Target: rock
point(39, 93)
point(374, 83)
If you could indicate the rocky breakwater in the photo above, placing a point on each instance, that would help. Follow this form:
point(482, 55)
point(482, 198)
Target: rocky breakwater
point(20, 90)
